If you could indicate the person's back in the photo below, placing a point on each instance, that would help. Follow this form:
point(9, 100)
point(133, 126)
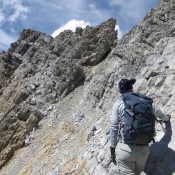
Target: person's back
point(131, 157)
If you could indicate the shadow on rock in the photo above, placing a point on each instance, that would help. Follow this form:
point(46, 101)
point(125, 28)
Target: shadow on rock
point(162, 158)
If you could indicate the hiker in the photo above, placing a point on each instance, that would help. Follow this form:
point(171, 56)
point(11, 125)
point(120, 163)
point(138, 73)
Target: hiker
point(132, 151)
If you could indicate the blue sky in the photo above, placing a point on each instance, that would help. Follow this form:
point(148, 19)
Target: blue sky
point(53, 16)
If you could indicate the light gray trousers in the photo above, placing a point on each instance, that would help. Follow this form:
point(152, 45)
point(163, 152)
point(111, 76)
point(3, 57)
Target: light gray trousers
point(131, 158)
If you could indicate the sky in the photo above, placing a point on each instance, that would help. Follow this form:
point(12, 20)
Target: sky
point(54, 16)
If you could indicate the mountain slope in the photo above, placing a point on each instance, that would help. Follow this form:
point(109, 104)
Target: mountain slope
point(73, 136)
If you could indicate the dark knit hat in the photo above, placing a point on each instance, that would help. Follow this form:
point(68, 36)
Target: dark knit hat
point(126, 85)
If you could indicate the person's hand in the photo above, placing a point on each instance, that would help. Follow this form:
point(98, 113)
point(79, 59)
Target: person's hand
point(113, 157)
point(168, 119)
point(162, 121)
point(169, 116)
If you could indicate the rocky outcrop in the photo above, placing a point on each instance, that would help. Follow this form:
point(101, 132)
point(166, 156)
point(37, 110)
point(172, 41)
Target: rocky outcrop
point(146, 53)
point(38, 71)
point(9, 62)
point(72, 80)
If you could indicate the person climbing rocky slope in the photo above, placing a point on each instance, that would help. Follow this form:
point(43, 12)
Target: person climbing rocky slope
point(65, 87)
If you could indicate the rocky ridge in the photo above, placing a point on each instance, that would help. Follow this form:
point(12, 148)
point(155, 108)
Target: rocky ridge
point(38, 71)
point(73, 137)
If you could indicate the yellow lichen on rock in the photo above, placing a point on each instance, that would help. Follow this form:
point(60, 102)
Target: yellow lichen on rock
point(26, 170)
point(47, 147)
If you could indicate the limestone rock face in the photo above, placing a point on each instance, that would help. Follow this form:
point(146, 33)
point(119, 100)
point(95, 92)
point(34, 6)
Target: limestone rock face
point(66, 86)
point(38, 71)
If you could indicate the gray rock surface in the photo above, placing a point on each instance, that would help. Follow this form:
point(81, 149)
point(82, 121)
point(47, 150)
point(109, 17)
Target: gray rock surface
point(38, 71)
point(72, 81)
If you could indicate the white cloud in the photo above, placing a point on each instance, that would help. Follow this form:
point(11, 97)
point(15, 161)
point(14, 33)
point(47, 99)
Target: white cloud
point(19, 10)
point(119, 32)
point(6, 39)
point(71, 25)
point(2, 18)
